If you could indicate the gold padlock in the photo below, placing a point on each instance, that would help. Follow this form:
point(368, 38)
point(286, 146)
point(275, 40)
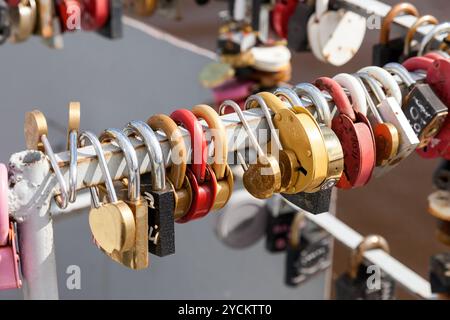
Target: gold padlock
point(263, 178)
point(137, 256)
point(300, 133)
point(224, 175)
point(177, 176)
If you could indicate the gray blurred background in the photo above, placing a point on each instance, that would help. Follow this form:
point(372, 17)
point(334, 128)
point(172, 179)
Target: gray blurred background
point(132, 78)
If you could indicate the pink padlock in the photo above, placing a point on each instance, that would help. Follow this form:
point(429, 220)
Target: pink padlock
point(9, 258)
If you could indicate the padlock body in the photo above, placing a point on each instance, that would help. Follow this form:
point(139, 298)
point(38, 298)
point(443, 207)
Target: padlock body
point(310, 257)
point(278, 227)
point(440, 273)
point(161, 222)
point(425, 112)
point(9, 263)
point(297, 26)
point(348, 288)
point(315, 203)
point(390, 52)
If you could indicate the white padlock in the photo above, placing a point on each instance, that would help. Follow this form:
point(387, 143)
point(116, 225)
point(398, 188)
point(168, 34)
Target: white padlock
point(270, 59)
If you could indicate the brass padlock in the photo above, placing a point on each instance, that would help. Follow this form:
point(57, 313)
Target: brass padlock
point(300, 133)
point(137, 256)
point(222, 170)
point(112, 224)
point(178, 154)
point(263, 178)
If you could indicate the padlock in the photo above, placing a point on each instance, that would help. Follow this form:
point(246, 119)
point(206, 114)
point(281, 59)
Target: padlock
point(297, 35)
point(391, 50)
point(391, 112)
point(5, 22)
point(222, 171)
point(442, 28)
point(35, 131)
point(439, 273)
point(170, 9)
point(69, 13)
point(386, 134)
point(441, 176)
point(263, 177)
point(137, 256)
point(356, 285)
point(45, 12)
point(200, 174)
point(328, 30)
point(270, 58)
point(9, 257)
point(23, 20)
point(235, 37)
point(279, 220)
point(408, 42)
point(335, 153)
point(353, 130)
point(313, 168)
point(424, 110)
point(112, 223)
point(308, 251)
point(94, 14)
point(113, 27)
point(160, 195)
point(269, 80)
point(437, 79)
point(439, 207)
point(281, 13)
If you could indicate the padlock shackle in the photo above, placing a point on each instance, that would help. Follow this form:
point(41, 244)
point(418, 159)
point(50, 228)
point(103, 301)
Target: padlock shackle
point(177, 173)
point(421, 21)
point(199, 147)
point(73, 127)
point(348, 82)
point(95, 142)
point(134, 177)
point(219, 138)
point(401, 8)
point(257, 100)
point(289, 95)
point(437, 30)
point(417, 63)
point(373, 108)
point(155, 154)
point(433, 55)
point(240, 114)
point(369, 242)
point(338, 95)
point(295, 229)
point(317, 99)
point(387, 81)
point(399, 70)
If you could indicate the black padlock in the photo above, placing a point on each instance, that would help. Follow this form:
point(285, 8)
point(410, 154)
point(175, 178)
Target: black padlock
point(161, 222)
point(424, 110)
point(440, 273)
point(308, 251)
point(113, 28)
point(5, 22)
point(390, 50)
point(364, 282)
point(441, 176)
point(315, 203)
point(297, 26)
point(279, 220)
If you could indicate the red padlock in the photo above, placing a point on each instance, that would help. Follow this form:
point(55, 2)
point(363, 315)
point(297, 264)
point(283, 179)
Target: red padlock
point(438, 77)
point(9, 258)
point(66, 10)
point(281, 13)
point(354, 133)
point(200, 174)
point(94, 14)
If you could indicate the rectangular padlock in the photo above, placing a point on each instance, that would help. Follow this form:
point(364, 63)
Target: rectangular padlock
point(278, 225)
point(113, 28)
point(315, 203)
point(161, 222)
point(440, 273)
